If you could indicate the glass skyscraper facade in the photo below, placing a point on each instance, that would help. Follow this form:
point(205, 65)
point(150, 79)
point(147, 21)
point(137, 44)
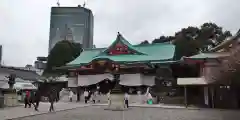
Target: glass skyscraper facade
point(78, 19)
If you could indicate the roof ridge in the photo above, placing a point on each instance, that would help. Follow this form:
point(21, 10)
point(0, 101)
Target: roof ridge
point(120, 38)
point(90, 49)
point(165, 43)
point(14, 68)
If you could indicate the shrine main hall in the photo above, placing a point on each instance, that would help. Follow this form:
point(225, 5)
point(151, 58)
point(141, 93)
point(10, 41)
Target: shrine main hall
point(130, 65)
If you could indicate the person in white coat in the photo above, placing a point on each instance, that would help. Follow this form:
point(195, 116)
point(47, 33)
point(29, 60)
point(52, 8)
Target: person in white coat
point(126, 100)
point(85, 93)
point(139, 96)
point(149, 98)
point(70, 95)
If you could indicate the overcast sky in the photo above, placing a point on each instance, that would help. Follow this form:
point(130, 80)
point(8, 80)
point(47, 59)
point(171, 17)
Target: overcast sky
point(24, 24)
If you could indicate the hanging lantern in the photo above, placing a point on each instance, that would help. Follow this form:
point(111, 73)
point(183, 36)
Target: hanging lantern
point(116, 67)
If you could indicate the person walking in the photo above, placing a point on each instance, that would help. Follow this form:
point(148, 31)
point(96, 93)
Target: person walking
point(126, 100)
point(37, 99)
point(94, 95)
point(139, 96)
point(32, 100)
point(109, 98)
point(98, 96)
point(85, 93)
point(27, 99)
point(51, 98)
point(149, 98)
point(70, 95)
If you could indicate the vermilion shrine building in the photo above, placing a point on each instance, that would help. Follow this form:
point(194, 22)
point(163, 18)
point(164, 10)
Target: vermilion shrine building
point(135, 65)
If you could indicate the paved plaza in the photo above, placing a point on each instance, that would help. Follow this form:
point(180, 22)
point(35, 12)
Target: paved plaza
point(137, 113)
point(79, 111)
point(20, 111)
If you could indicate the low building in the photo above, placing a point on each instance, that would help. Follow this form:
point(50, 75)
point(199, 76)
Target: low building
point(205, 89)
point(25, 79)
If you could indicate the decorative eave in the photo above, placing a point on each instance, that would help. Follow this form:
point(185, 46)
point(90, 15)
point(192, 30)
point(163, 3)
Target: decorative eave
point(214, 55)
point(122, 40)
point(67, 67)
point(203, 58)
point(148, 63)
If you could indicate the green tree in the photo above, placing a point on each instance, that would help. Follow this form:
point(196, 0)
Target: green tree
point(210, 35)
point(185, 42)
point(229, 69)
point(144, 42)
point(62, 53)
point(192, 40)
point(163, 39)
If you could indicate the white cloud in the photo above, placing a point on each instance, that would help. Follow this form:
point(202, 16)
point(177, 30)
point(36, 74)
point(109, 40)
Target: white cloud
point(25, 23)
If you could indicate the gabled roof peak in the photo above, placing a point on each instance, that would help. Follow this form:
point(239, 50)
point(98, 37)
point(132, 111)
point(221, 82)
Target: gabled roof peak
point(121, 40)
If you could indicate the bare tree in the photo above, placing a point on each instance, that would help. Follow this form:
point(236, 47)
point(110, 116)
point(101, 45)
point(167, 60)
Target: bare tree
point(229, 69)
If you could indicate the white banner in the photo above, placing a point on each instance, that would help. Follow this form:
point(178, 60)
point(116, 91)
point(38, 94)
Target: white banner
point(85, 80)
point(72, 82)
point(148, 80)
point(136, 80)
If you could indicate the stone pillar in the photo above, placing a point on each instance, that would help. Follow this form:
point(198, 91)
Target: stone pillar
point(116, 102)
point(10, 99)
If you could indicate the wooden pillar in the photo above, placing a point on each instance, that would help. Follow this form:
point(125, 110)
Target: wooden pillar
point(78, 94)
point(212, 97)
point(185, 96)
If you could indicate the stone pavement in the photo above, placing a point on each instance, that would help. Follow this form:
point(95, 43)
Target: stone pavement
point(137, 113)
point(152, 106)
point(64, 104)
point(20, 111)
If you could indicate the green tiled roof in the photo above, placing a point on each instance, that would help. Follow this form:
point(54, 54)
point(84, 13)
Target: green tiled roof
point(147, 53)
point(154, 52)
point(209, 55)
point(87, 56)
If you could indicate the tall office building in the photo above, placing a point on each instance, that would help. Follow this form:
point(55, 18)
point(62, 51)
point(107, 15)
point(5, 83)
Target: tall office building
point(76, 21)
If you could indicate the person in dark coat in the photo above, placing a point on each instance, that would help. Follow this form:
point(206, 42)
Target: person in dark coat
point(37, 99)
point(27, 99)
point(51, 100)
